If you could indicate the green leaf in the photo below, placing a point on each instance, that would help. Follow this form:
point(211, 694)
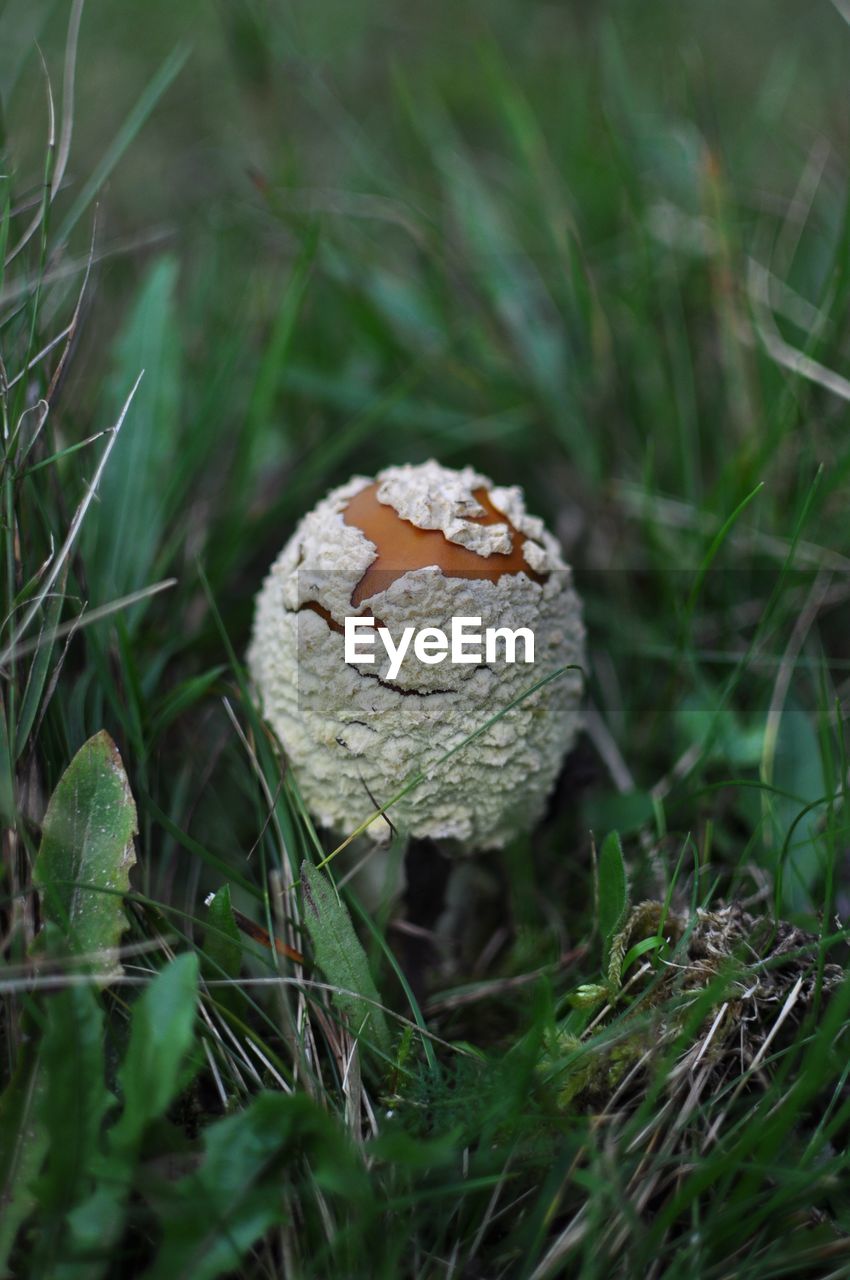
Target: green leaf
point(86, 852)
point(50, 1119)
point(222, 956)
point(655, 943)
point(222, 940)
point(23, 1143)
point(613, 886)
point(161, 1035)
point(341, 958)
point(123, 535)
point(212, 1217)
point(797, 770)
point(719, 731)
point(395, 1147)
point(74, 1099)
point(71, 1101)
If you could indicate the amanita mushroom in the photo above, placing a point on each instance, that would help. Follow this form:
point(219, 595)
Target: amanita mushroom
point(416, 547)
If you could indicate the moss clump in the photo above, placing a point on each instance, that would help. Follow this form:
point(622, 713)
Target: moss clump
point(706, 994)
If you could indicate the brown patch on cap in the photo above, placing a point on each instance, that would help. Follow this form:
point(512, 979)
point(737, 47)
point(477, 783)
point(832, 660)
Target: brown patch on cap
point(401, 546)
point(315, 607)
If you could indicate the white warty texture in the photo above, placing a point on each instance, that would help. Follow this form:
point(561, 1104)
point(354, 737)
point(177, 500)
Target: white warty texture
point(353, 737)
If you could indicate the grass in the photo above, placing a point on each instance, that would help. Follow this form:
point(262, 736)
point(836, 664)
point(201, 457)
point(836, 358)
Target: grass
point(601, 252)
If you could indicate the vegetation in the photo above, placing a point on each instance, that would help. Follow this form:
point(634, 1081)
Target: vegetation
point(248, 250)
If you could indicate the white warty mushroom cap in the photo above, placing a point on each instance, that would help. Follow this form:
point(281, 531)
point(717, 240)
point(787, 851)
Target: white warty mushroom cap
point(353, 737)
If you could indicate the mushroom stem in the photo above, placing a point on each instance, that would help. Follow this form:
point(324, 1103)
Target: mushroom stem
point(427, 869)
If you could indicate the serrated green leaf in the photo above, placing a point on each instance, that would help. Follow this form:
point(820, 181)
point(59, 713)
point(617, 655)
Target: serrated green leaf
point(613, 885)
point(161, 1034)
point(86, 852)
point(342, 959)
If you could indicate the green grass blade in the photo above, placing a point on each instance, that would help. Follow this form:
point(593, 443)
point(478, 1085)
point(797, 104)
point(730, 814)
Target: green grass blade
point(157, 86)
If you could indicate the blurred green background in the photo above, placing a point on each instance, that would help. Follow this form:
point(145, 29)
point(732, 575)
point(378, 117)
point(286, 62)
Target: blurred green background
point(587, 248)
point(556, 241)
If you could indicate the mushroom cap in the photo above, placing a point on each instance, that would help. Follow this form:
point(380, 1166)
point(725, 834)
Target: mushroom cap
point(418, 546)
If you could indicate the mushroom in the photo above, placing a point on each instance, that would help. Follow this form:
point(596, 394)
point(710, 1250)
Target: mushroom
point(414, 550)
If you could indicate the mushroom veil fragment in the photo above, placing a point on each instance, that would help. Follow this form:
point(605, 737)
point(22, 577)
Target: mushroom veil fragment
point(400, 617)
